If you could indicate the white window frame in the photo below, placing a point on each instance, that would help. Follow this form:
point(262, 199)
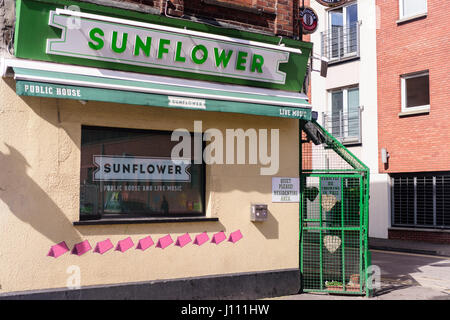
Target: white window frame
point(344, 13)
point(344, 26)
point(404, 95)
point(345, 91)
point(402, 16)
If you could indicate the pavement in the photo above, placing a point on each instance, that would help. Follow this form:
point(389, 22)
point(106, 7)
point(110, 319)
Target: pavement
point(409, 270)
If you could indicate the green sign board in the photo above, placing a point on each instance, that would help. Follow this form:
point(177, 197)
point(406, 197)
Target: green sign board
point(124, 40)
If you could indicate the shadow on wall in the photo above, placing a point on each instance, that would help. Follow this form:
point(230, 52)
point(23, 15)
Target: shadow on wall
point(269, 228)
point(30, 203)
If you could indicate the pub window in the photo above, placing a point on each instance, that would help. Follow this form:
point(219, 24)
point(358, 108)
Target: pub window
point(415, 92)
point(410, 8)
point(128, 173)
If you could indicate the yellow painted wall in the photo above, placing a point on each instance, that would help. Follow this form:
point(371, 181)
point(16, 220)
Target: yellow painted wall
point(39, 199)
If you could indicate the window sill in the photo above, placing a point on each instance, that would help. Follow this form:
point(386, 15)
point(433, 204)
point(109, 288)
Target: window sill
point(349, 140)
point(337, 61)
point(414, 112)
point(143, 220)
point(411, 18)
point(394, 228)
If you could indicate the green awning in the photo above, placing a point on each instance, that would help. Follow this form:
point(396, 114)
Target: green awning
point(81, 83)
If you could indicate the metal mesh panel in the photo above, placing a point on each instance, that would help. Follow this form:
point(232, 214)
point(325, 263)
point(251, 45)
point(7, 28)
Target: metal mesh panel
point(331, 242)
point(328, 156)
point(334, 215)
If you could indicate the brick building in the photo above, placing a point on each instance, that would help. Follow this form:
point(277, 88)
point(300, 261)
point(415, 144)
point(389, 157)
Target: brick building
point(413, 50)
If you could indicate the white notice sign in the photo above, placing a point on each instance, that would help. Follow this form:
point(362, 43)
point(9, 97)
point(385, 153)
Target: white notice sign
point(331, 186)
point(285, 189)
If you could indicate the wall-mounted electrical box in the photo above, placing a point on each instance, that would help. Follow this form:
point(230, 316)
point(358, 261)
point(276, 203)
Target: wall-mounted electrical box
point(258, 212)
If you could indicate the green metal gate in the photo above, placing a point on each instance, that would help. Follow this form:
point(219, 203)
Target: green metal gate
point(334, 212)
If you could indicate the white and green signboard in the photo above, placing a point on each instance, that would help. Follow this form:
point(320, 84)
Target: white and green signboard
point(97, 38)
point(110, 38)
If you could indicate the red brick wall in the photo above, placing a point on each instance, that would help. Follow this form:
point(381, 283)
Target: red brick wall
point(426, 236)
point(419, 142)
point(278, 17)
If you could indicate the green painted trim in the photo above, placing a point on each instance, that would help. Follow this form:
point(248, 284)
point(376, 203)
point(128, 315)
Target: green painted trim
point(320, 235)
point(155, 100)
point(325, 171)
point(332, 228)
point(343, 237)
point(361, 234)
point(326, 175)
point(334, 291)
point(17, 27)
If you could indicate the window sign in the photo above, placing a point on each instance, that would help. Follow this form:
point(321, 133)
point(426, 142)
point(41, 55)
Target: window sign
point(120, 168)
point(129, 173)
point(331, 186)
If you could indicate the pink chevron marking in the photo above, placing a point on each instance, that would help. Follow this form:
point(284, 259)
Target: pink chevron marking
point(103, 246)
point(164, 242)
point(201, 238)
point(145, 243)
point(124, 245)
point(58, 250)
point(183, 240)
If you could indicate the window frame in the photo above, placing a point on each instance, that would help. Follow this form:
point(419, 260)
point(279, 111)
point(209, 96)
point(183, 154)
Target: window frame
point(345, 26)
point(114, 218)
point(345, 139)
point(411, 206)
point(403, 92)
point(403, 16)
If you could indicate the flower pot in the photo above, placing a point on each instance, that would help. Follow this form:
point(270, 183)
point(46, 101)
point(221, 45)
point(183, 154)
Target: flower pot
point(354, 278)
point(348, 288)
point(334, 288)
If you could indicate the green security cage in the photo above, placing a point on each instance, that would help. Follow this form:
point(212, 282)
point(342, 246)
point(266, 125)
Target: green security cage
point(334, 215)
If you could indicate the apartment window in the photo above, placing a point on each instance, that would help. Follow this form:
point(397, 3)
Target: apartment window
point(343, 119)
point(421, 200)
point(341, 40)
point(129, 173)
point(410, 8)
point(415, 92)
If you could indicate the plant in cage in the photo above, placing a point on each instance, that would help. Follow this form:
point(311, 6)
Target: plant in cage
point(338, 286)
point(333, 285)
